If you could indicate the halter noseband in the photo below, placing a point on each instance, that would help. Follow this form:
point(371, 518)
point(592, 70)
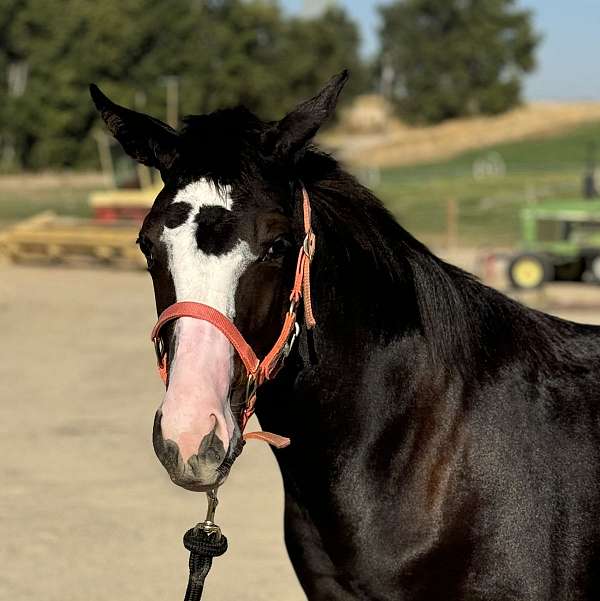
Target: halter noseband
point(257, 371)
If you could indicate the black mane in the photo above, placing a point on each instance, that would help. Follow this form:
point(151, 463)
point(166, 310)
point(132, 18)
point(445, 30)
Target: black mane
point(462, 319)
point(402, 278)
point(221, 145)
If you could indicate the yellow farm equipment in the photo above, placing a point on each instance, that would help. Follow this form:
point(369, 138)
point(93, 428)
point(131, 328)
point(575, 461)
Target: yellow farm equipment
point(122, 204)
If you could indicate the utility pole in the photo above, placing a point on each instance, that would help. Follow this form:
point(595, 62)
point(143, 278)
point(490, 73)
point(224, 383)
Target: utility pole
point(172, 84)
point(590, 189)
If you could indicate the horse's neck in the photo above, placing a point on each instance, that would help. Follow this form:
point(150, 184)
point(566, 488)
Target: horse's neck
point(334, 399)
point(341, 372)
point(370, 359)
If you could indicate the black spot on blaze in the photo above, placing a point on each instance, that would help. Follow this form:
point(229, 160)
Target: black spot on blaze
point(177, 214)
point(215, 233)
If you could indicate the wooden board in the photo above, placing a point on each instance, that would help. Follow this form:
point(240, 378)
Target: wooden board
point(47, 237)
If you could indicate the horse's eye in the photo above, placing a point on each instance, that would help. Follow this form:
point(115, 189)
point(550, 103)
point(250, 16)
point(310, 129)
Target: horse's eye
point(150, 260)
point(146, 248)
point(278, 248)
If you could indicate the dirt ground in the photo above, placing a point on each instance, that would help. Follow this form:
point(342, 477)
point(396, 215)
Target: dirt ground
point(86, 511)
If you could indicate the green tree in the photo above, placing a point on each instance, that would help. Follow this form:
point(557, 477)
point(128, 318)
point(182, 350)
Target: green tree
point(248, 53)
point(448, 58)
point(63, 49)
point(315, 49)
point(223, 52)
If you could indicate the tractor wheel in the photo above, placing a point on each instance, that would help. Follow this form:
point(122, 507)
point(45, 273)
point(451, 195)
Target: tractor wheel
point(594, 268)
point(529, 271)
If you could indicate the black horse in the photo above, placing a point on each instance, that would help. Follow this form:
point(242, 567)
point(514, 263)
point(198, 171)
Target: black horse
point(445, 439)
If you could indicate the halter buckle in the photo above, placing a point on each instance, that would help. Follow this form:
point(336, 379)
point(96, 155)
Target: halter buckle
point(308, 246)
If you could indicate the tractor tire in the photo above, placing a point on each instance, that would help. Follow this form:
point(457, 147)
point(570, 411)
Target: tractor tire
point(530, 271)
point(593, 269)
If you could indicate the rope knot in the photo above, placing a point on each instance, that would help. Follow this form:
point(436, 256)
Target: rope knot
point(197, 541)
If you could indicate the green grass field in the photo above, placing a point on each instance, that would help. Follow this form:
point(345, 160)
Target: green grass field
point(488, 208)
point(16, 204)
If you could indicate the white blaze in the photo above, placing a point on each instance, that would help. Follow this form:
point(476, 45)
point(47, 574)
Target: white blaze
point(201, 369)
point(198, 276)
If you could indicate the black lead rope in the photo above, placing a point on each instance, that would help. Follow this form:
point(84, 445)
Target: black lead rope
point(204, 542)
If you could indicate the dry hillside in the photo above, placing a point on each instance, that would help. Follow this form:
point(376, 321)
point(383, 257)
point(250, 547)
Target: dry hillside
point(368, 136)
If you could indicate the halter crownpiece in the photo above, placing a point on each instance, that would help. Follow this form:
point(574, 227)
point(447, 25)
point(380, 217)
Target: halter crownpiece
point(257, 371)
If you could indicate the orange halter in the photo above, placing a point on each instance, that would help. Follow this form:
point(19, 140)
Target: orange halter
point(256, 371)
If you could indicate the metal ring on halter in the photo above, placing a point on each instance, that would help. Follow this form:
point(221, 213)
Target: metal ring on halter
point(159, 349)
point(251, 387)
point(287, 349)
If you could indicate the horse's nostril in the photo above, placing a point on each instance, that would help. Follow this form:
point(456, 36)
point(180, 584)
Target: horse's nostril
point(211, 450)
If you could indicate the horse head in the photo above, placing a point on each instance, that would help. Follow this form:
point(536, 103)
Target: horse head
point(224, 231)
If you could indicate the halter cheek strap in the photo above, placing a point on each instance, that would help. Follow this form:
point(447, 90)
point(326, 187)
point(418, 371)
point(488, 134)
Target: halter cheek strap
point(257, 371)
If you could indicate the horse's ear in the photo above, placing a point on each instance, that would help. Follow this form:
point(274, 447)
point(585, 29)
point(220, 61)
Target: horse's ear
point(144, 138)
point(290, 135)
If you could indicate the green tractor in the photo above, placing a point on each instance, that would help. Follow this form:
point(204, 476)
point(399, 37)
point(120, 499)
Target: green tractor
point(560, 241)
